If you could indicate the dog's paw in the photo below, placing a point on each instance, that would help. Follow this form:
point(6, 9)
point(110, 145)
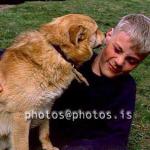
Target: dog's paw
point(55, 148)
point(51, 148)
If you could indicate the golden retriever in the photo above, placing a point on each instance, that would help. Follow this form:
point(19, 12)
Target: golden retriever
point(36, 69)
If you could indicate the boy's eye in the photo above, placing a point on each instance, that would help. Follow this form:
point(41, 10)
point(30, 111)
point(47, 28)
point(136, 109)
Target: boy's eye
point(132, 61)
point(117, 50)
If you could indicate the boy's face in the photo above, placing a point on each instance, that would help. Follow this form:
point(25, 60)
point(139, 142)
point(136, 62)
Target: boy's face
point(118, 57)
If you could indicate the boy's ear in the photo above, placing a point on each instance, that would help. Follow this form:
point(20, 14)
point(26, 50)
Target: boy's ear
point(77, 33)
point(108, 35)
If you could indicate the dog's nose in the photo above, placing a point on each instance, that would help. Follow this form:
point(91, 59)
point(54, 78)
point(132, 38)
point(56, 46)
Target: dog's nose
point(97, 46)
point(96, 39)
point(100, 37)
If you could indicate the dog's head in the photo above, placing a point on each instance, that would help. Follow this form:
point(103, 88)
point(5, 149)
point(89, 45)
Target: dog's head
point(75, 34)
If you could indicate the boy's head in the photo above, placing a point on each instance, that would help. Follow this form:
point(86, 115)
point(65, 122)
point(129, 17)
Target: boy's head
point(126, 46)
point(137, 26)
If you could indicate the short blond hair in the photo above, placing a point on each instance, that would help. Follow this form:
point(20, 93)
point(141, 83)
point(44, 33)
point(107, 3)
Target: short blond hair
point(137, 26)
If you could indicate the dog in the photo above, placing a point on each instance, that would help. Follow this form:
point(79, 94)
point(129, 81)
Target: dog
point(36, 69)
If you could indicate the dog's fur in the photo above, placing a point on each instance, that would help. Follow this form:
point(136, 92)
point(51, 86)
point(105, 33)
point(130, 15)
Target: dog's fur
point(34, 74)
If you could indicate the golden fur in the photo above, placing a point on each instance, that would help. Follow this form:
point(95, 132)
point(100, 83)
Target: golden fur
point(34, 74)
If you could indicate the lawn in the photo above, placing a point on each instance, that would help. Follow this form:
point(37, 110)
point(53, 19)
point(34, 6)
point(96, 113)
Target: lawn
point(30, 15)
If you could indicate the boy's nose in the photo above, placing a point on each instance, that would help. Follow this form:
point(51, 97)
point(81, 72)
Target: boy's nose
point(120, 61)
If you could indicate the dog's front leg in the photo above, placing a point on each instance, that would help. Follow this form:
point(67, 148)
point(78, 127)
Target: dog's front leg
point(44, 136)
point(20, 132)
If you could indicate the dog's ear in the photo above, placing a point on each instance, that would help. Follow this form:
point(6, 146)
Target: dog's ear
point(77, 34)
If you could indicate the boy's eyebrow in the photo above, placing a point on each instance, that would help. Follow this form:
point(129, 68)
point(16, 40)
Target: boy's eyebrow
point(118, 46)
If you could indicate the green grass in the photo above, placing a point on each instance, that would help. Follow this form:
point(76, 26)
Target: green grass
point(31, 15)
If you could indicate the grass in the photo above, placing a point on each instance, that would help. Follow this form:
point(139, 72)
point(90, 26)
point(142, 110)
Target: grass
point(30, 15)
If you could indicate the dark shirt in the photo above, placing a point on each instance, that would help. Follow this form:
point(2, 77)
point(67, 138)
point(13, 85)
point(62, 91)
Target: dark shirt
point(113, 99)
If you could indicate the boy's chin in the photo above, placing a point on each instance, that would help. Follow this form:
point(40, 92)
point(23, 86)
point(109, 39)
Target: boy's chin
point(111, 75)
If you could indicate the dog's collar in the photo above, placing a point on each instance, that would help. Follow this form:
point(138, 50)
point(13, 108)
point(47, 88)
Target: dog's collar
point(78, 76)
point(59, 50)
